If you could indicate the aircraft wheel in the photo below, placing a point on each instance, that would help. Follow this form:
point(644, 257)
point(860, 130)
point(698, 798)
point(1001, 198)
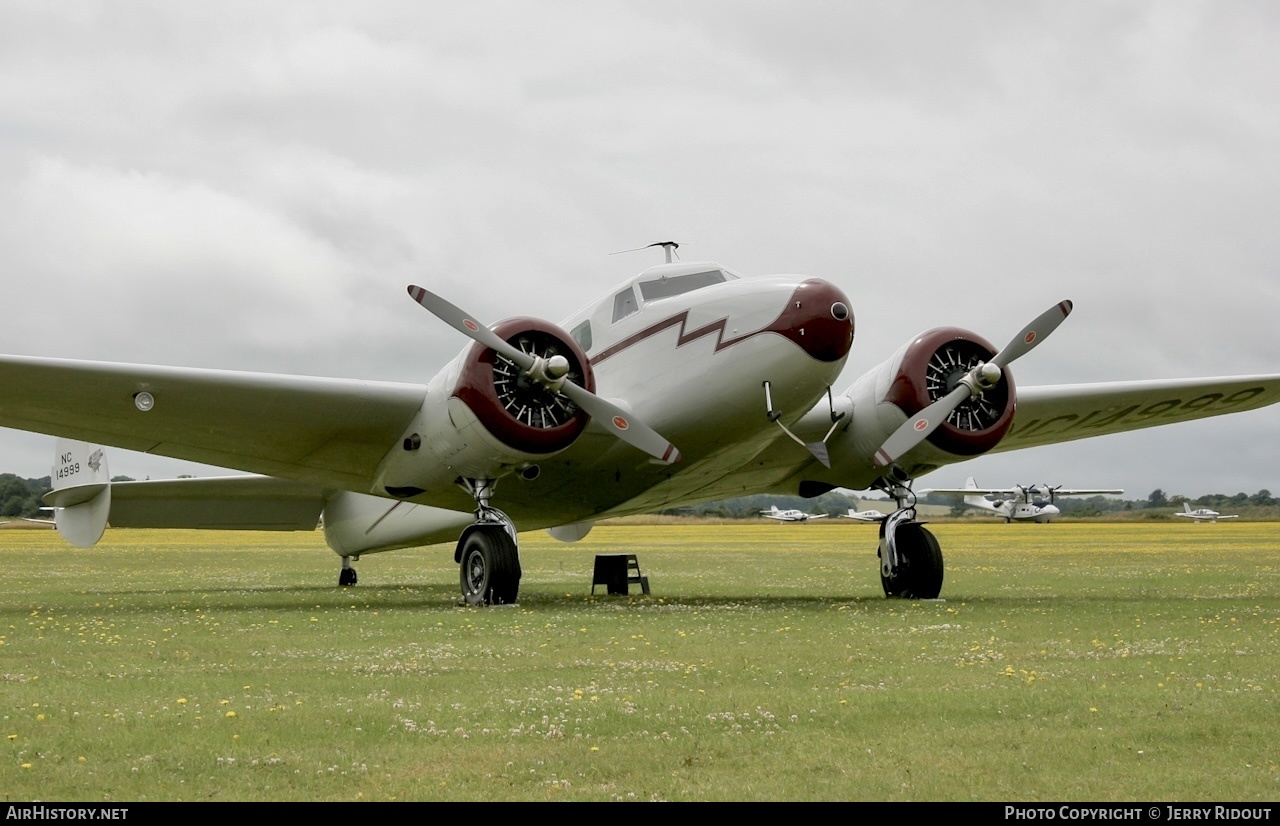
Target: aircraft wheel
point(490, 567)
point(347, 577)
point(919, 574)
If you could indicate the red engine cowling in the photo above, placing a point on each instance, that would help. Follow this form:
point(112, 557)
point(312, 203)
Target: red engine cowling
point(930, 367)
point(515, 410)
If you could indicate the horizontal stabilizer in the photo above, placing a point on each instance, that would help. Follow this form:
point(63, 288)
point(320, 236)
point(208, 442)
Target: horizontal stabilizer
point(84, 501)
point(258, 503)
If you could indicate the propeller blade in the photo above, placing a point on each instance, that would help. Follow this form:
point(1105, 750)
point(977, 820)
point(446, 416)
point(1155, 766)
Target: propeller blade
point(616, 420)
point(474, 330)
point(916, 429)
point(1034, 333)
point(621, 424)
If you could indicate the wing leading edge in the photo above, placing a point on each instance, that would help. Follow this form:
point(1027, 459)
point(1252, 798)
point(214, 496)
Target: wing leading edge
point(327, 432)
point(1062, 413)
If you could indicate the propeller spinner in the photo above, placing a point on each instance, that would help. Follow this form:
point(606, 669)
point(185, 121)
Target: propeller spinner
point(552, 374)
point(973, 384)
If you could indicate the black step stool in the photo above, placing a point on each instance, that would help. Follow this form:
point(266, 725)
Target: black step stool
point(616, 572)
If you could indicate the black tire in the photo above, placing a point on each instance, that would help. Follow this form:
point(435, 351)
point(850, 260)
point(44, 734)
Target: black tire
point(489, 567)
point(919, 573)
point(347, 577)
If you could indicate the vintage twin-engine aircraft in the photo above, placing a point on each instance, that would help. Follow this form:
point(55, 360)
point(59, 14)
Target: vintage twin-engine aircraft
point(685, 384)
point(1201, 514)
point(790, 515)
point(1020, 503)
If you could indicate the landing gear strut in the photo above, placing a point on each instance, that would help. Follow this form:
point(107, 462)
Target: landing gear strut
point(488, 554)
point(910, 557)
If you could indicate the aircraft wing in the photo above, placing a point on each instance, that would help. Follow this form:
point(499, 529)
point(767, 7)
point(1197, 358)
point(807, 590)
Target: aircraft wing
point(971, 491)
point(1062, 413)
point(1082, 492)
point(225, 502)
point(328, 432)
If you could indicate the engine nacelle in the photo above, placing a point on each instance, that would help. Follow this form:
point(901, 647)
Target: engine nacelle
point(520, 414)
point(483, 417)
point(921, 372)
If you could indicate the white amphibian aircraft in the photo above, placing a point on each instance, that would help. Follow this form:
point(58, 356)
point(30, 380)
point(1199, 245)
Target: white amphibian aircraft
point(1020, 503)
point(790, 515)
point(1204, 514)
point(683, 384)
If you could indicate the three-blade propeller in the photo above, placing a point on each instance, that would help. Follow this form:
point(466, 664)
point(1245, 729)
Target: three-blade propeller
point(551, 374)
point(973, 384)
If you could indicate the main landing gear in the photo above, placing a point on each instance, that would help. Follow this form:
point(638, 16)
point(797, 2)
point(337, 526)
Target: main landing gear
point(910, 557)
point(488, 554)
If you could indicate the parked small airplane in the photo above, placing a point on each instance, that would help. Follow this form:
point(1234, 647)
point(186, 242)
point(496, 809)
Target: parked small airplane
point(872, 515)
point(684, 384)
point(790, 515)
point(1202, 514)
point(1024, 503)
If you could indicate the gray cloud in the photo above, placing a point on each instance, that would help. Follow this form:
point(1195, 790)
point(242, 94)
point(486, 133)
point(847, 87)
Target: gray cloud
point(251, 186)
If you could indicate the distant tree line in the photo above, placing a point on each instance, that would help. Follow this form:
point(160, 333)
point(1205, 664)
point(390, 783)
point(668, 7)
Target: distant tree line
point(21, 497)
point(744, 507)
point(836, 503)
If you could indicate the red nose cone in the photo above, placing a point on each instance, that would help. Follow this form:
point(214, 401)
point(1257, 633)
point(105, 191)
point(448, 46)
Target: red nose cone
point(819, 319)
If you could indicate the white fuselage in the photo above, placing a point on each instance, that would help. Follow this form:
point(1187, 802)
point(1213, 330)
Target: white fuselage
point(1013, 511)
point(691, 365)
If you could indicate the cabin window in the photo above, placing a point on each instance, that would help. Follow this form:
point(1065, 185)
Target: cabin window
point(680, 284)
point(582, 335)
point(624, 304)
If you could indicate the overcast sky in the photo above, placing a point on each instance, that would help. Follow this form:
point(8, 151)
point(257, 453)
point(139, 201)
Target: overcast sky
point(251, 186)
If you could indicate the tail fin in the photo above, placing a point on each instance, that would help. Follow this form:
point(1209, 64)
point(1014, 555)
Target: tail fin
point(1186, 507)
point(81, 495)
point(976, 500)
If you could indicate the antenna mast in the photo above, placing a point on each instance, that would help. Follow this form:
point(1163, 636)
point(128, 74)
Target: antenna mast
point(669, 247)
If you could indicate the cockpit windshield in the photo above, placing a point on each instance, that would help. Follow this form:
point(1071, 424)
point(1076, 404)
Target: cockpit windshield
point(668, 286)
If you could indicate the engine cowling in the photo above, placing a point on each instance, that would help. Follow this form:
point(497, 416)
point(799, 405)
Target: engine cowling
point(929, 367)
point(483, 417)
point(517, 411)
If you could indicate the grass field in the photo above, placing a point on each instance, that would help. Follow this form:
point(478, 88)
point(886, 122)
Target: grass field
point(1067, 662)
